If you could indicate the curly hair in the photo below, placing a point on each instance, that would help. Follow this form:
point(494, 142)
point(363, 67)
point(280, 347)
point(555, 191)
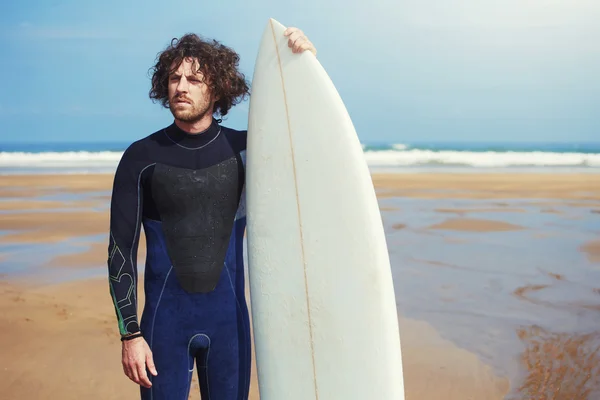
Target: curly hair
point(218, 64)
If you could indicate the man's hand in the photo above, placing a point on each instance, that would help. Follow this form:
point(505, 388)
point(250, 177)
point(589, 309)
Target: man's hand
point(136, 355)
point(298, 42)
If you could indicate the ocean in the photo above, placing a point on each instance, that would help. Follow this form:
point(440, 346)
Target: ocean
point(393, 157)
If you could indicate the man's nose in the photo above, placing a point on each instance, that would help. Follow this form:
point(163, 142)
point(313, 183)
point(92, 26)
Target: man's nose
point(183, 85)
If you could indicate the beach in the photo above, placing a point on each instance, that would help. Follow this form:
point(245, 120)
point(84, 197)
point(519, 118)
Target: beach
point(497, 281)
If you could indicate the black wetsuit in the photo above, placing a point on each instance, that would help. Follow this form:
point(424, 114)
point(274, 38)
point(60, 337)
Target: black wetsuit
point(187, 190)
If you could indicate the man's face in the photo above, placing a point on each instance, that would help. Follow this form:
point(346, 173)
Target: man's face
point(189, 96)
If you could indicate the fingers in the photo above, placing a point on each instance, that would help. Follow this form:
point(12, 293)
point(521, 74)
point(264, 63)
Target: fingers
point(136, 371)
point(136, 357)
point(305, 46)
point(150, 364)
point(293, 36)
point(291, 30)
point(142, 376)
point(298, 41)
point(132, 372)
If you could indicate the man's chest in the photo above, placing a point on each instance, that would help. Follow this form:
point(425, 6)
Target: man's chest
point(180, 191)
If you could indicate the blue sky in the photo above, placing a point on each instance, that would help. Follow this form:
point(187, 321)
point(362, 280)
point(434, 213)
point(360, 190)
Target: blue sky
point(407, 70)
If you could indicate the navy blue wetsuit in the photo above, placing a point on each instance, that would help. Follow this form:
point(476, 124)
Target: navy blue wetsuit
point(187, 190)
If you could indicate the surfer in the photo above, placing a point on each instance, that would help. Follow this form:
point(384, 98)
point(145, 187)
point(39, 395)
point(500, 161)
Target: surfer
point(184, 184)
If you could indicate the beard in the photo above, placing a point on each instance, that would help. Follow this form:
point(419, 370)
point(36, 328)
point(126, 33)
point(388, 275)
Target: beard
point(189, 113)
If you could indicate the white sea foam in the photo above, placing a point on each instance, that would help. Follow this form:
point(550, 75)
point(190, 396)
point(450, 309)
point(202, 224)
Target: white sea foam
point(491, 159)
point(399, 146)
point(398, 156)
point(60, 159)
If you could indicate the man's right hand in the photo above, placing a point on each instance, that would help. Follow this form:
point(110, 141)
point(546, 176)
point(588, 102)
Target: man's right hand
point(136, 356)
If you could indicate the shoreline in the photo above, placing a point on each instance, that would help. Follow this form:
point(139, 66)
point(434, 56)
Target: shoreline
point(374, 169)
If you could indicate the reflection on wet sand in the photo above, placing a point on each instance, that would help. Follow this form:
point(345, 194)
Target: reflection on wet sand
point(559, 366)
point(526, 293)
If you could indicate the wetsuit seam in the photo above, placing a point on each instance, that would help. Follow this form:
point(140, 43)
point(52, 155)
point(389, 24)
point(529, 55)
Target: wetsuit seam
point(192, 148)
point(240, 310)
point(135, 235)
point(154, 320)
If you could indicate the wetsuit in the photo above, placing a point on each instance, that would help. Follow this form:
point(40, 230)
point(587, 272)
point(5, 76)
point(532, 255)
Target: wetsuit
point(187, 190)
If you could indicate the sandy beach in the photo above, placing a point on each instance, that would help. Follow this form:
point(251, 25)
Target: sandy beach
point(494, 277)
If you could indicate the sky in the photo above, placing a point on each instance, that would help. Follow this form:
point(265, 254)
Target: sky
point(407, 70)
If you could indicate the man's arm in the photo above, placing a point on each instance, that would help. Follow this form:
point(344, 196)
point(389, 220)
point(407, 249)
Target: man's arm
point(125, 218)
point(125, 222)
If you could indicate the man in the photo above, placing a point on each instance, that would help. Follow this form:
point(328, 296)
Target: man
point(184, 184)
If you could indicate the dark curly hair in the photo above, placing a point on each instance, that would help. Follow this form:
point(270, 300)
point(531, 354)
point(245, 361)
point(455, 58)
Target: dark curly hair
point(218, 64)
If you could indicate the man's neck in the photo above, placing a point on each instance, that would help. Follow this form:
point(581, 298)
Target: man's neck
point(197, 126)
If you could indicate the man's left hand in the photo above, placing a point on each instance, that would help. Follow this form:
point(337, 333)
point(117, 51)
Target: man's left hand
point(298, 41)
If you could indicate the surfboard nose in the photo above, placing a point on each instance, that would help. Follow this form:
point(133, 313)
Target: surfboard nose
point(276, 25)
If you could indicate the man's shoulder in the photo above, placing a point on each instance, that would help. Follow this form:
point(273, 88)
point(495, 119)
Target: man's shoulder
point(236, 137)
point(141, 144)
point(138, 150)
point(232, 131)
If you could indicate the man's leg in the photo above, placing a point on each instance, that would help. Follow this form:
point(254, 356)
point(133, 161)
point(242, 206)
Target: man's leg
point(169, 344)
point(224, 366)
point(174, 366)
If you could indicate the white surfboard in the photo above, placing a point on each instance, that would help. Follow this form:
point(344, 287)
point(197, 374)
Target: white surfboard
point(322, 298)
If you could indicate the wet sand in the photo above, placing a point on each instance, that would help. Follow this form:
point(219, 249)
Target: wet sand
point(48, 226)
point(507, 269)
point(55, 183)
point(477, 314)
point(469, 185)
point(475, 225)
point(592, 249)
point(490, 186)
